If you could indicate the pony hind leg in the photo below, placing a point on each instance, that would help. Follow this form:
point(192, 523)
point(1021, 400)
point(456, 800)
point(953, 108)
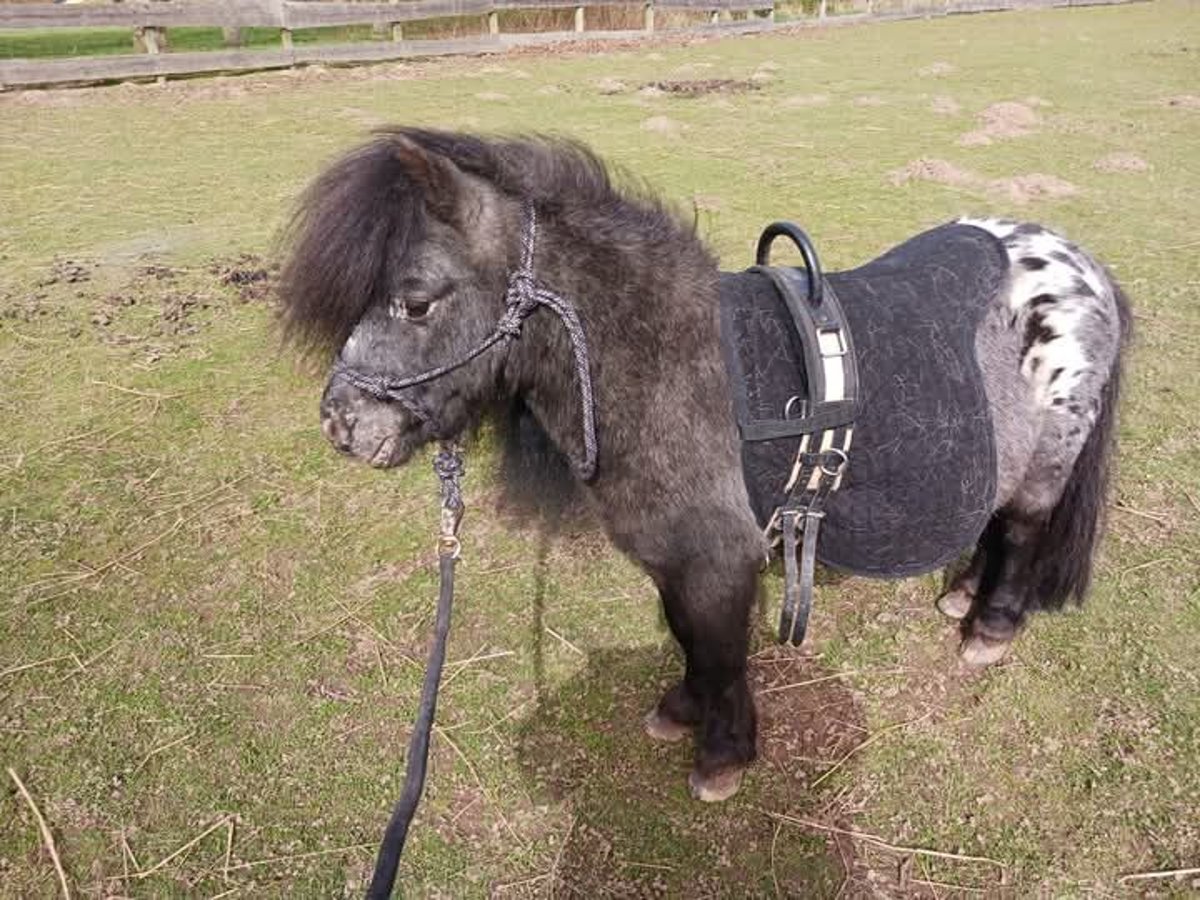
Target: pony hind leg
point(1040, 546)
point(959, 598)
point(1070, 321)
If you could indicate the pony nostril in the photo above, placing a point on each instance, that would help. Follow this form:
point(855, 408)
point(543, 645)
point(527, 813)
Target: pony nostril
point(337, 429)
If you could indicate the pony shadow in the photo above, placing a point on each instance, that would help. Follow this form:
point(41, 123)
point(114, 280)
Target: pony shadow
point(636, 832)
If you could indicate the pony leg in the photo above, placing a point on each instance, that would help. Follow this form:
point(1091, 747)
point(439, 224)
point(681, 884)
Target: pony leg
point(1005, 586)
point(678, 712)
point(709, 614)
point(959, 599)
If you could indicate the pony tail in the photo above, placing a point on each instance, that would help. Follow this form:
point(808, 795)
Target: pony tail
point(1063, 565)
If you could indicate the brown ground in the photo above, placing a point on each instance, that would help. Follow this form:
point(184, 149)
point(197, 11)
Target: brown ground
point(1002, 121)
point(702, 87)
point(1121, 162)
point(1018, 189)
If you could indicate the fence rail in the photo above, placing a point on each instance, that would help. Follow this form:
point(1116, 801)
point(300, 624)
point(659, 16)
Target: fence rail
point(150, 19)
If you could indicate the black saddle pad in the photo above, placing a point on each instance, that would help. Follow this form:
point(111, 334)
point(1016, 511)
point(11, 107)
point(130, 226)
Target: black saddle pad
point(921, 481)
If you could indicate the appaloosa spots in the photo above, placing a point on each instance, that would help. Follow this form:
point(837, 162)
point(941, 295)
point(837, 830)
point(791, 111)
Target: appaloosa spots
point(1002, 121)
point(1018, 189)
point(701, 87)
point(1120, 163)
point(662, 125)
point(945, 106)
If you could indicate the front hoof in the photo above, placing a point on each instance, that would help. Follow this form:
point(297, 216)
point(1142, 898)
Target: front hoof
point(664, 729)
point(978, 651)
point(955, 604)
point(717, 787)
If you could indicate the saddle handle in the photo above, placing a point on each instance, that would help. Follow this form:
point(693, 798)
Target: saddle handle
point(812, 267)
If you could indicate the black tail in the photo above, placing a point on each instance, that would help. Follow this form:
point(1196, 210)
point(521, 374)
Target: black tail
point(1063, 566)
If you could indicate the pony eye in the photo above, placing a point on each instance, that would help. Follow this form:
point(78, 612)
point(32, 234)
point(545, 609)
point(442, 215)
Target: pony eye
point(417, 309)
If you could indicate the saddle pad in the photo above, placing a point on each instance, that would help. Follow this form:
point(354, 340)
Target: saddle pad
point(921, 480)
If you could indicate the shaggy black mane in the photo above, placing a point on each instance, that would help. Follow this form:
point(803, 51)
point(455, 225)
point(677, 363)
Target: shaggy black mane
point(364, 213)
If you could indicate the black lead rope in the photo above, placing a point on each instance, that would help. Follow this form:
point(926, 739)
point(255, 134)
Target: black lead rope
point(449, 468)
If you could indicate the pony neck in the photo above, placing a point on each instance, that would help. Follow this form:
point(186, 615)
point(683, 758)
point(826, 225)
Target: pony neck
point(645, 290)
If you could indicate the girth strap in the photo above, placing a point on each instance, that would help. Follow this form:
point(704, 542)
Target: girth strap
point(823, 420)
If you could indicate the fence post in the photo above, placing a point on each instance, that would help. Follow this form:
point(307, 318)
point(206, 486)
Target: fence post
point(714, 17)
point(579, 18)
point(821, 14)
point(493, 22)
point(397, 32)
point(649, 17)
point(150, 39)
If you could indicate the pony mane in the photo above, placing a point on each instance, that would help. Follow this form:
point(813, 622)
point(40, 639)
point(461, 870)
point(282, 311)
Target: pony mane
point(364, 214)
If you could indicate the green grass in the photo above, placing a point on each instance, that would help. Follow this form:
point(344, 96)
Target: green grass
point(54, 42)
point(224, 621)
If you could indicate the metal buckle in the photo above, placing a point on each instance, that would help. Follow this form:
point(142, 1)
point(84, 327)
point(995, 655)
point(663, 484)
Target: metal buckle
point(843, 459)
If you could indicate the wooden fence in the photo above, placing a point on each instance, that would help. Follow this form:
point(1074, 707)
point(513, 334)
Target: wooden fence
point(149, 20)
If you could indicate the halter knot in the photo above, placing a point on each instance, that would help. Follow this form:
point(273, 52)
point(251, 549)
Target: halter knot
point(522, 298)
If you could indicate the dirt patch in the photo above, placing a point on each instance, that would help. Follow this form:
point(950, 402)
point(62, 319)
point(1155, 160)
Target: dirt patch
point(68, 271)
point(1027, 188)
point(1116, 163)
point(798, 101)
point(1182, 101)
point(1019, 189)
point(1002, 121)
point(936, 170)
point(869, 100)
point(807, 721)
point(702, 87)
point(610, 86)
point(492, 97)
point(945, 106)
point(634, 832)
point(251, 276)
point(29, 308)
point(662, 125)
point(935, 70)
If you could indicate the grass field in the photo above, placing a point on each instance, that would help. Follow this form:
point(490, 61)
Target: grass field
point(212, 628)
point(50, 42)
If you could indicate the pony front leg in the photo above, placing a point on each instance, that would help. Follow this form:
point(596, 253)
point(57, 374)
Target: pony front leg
point(709, 612)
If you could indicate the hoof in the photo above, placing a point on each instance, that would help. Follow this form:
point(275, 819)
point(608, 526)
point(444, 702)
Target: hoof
point(661, 728)
point(955, 604)
point(978, 651)
point(717, 787)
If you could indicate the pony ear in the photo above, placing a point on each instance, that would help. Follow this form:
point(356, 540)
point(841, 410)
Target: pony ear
point(441, 182)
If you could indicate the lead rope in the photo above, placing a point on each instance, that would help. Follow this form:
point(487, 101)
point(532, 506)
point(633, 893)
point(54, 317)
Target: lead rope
point(448, 465)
